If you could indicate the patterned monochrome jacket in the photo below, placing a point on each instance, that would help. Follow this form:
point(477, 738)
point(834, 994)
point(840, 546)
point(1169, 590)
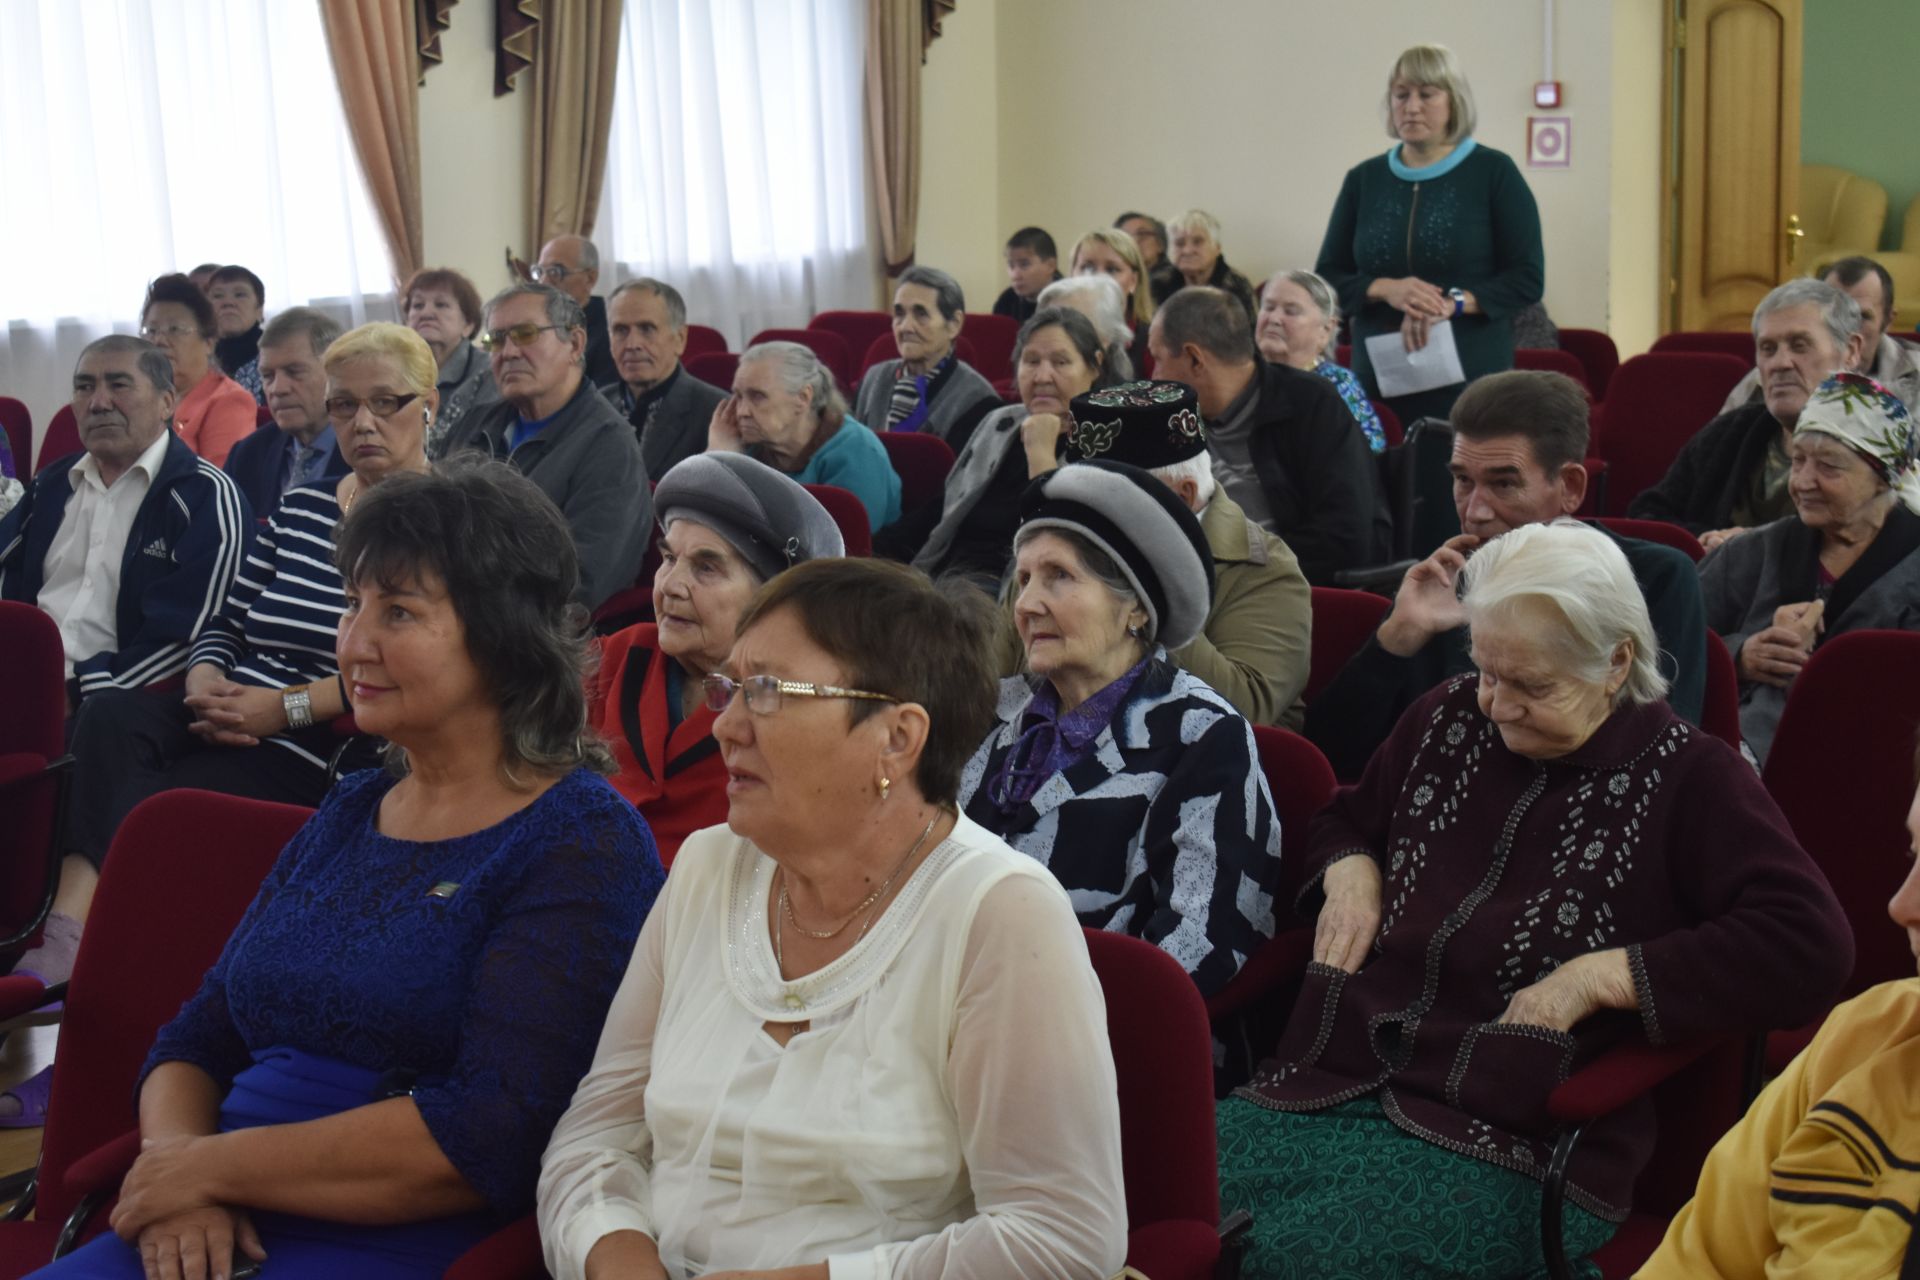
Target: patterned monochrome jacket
point(1166, 831)
point(1497, 869)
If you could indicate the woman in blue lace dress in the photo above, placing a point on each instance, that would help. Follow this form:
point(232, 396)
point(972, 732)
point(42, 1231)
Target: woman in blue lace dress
point(1299, 315)
point(363, 1084)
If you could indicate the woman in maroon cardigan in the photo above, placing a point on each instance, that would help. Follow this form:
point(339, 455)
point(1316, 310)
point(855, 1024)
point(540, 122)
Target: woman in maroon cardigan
point(1541, 863)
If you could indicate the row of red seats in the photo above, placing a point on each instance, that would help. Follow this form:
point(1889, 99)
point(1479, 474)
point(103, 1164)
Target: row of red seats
point(63, 434)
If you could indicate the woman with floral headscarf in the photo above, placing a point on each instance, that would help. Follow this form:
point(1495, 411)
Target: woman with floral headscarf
point(1845, 561)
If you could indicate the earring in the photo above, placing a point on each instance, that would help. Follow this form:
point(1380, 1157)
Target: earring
point(1135, 630)
point(886, 785)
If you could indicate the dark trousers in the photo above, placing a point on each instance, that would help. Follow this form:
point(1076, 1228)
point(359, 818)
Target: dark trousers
point(129, 745)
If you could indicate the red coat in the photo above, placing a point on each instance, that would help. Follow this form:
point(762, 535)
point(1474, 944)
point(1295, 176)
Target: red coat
point(676, 780)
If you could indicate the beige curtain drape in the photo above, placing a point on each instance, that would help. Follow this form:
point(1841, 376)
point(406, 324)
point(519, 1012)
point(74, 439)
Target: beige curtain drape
point(377, 61)
point(573, 81)
point(896, 43)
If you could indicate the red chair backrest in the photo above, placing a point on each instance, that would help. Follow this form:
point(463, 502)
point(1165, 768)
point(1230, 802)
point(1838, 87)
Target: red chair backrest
point(1735, 343)
point(1163, 1058)
point(17, 420)
point(262, 416)
point(1841, 769)
point(1342, 621)
point(1302, 782)
point(1596, 353)
point(1720, 709)
point(703, 341)
point(883, 348)
point(32, 734)
point(63, 438)
point(183, 868)
point(715, 367)
point(1552, 360)
point(830, 347)
point(922, 462)
point(1343, 355)
point(1655, 404)
point(1667, 535)
point(1389, 424)
point(857, 329)
point(992, 338)
point(849, 513)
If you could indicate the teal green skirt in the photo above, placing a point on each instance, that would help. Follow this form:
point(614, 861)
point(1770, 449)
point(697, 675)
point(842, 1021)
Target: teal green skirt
point(1346, 1194)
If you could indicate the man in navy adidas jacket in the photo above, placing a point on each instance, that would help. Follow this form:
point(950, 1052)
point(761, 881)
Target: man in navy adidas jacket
point(132, 544)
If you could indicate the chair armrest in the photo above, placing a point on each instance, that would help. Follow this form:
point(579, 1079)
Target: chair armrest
point(1620, 1076)
point(1284, 956)
point(21, 994)
point(17, 767)
point(102, 1168)
point(1382, 579)
point(511, 1253)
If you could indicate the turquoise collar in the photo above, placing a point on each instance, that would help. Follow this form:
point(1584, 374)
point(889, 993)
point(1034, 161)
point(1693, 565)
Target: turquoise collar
point(1438, 169)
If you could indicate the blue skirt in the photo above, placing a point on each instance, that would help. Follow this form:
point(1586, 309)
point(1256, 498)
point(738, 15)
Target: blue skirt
point(286, 1086)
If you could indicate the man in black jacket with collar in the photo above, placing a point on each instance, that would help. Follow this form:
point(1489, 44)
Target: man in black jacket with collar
point(571, 264)
point(1284, 444)
point(298, 448)
point(669, 408)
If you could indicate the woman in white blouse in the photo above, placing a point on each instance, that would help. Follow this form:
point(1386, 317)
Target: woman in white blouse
point(860, 1036)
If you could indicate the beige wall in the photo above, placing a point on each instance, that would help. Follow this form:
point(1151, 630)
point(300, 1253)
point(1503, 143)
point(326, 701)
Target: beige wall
point(474, 166)
point(1257, 112)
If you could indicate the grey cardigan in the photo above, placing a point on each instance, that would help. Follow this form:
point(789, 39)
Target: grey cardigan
point(985, 450)
point(960, 391)
point(1744, 580)
point(466, 387)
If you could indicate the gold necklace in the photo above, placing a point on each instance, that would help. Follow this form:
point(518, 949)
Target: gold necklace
point(786, 904)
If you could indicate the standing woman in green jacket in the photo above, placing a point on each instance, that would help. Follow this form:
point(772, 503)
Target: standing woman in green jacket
point(1438, 228)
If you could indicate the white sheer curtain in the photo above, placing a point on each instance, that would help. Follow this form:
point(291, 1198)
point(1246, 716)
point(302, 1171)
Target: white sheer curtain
point(145, 136)
point(736, 167)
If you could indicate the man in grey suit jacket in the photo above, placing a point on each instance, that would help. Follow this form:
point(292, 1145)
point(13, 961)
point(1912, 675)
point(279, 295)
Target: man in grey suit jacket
point(668, 407)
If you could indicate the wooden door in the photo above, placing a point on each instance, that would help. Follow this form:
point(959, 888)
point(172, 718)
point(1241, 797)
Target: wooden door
point(1737, 98)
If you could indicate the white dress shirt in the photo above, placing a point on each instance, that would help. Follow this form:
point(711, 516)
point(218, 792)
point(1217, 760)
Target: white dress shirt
point(80, 581)
point(950, 1110)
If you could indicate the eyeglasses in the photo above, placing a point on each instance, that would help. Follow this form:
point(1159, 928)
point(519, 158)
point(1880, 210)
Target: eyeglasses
point(764, 692)
point(152, 331)
point(346, 408)
point(554, 272)
point(522, 334)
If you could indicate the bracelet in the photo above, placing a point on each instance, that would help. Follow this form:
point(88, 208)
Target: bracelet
point(298, 703)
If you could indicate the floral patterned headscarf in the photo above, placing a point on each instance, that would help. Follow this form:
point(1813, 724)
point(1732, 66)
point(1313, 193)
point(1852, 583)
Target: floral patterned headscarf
point(1870, 420)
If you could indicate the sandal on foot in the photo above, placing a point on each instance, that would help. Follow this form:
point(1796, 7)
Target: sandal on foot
point(32, 1094)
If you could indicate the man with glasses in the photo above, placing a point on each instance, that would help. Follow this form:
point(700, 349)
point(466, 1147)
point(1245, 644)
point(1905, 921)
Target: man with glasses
point(557, 428)
point(572, 265)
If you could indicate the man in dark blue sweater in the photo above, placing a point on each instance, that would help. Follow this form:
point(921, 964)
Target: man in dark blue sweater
point(298, 447)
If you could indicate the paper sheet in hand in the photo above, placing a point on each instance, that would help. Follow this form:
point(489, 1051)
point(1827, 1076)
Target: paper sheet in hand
point(1401, 372)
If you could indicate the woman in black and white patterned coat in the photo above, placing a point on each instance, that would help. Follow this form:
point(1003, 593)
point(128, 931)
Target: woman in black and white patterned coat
point(1131, 779)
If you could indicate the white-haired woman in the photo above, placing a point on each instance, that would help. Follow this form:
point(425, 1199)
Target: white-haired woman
point(1438, 228)
point(786, 412)
point(1100, 300)
point(1299, 316)
point(1199, 259)
point(1541, 863)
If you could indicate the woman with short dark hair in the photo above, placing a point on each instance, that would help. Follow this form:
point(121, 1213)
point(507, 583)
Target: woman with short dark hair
point(378, 1056)
point(214, 412)
point(238, 299)
point(442, 306)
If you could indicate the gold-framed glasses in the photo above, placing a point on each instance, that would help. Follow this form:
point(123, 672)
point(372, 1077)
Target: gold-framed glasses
point(765, 692)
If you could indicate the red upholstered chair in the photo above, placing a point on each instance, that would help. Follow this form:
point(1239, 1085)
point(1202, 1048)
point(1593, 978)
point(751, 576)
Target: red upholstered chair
point(992, 338)
point(1735, 343)
point(849, 513)
point(1596, 353)
point(1390, 425)
point(63, 438)
point(262, 416)
point(1667, 535)
point(1655, 404)
point(1342, 621)
point(1841, 769)
point(1552, 360)
point(17, 420)
point(714, 367)
point(922, 462)
point(1720, 710)
point(32, 762)
point(857, 329)
point(1163, 1057)
point(1343, 355)
point(830, 347)
point(703, 341)
point(884, 348)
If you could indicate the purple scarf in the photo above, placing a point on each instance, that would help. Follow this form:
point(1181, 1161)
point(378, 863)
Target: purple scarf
point(1051, 741)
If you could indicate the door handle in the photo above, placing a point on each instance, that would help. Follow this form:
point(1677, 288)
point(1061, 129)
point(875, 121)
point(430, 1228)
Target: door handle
point(1794, 236)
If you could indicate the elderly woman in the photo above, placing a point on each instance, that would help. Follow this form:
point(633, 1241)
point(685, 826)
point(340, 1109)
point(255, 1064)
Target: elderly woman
point(1099, 299)
point(796, 1076)
point(1786, 1191)
point(786, 411)
point(453, 926)
point(728, 524)
point(1540, 864)
point(443, 307)
point(1299, 317)
point(1847, 560)
point(1438, 228)
point(928, 388)
point(213, 412)
point(238, 299)
point(1130, 779)
point(1106, 252)
point(1057, 356)
point(1197, 256)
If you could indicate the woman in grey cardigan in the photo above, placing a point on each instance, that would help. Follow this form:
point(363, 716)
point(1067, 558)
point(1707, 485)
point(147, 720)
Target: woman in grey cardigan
point(1848, 560)
point(929, 388)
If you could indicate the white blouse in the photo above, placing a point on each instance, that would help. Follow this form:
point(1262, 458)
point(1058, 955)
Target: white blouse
point(949, 1112)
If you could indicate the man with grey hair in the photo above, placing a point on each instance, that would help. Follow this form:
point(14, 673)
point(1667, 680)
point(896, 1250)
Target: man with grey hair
point(571, 264)
point(1732, 475)
point(668, 407)
point(299, 449)
point(1886, 360)
point(1099, 299)
point(562, 433)
point(927, 387)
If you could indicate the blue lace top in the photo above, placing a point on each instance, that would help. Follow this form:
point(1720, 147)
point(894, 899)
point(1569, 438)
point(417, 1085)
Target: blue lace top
point(1358, 405)
point(483, 964)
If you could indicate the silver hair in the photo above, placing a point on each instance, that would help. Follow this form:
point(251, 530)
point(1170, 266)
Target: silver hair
point(562, 310)
point(1198, 220)
point(946, 290)
point(1322, 296)
point(1584, 576)
point(676, 305)
point(1198, 468)
point(1837, 308)
point(589, 254)
point(1098, 564)
point(153, 362)
point(1107, 311)
point(800, 369)
point(316, 327)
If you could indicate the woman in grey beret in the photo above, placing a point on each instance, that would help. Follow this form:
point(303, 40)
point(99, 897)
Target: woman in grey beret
point(728, 524)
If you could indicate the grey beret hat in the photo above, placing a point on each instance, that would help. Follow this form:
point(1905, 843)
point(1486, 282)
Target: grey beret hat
point(771, 520)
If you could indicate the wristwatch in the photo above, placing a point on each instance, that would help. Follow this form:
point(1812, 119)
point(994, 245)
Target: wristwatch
point(298, 702)
point(1459, 297)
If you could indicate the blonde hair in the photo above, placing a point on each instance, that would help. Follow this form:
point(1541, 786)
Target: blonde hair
point(398, 345)
point(1434, 64)
point(1140, 305)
